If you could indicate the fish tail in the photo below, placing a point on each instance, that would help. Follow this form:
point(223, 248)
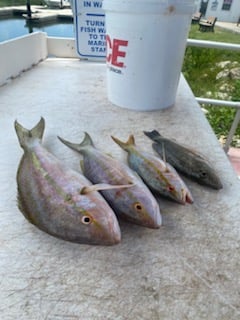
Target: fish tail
point(27, 137)
point(154, 135)
point(125, 145)
point(79, 147)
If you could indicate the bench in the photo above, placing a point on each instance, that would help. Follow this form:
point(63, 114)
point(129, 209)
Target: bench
point(196, 17)
point(207, 25)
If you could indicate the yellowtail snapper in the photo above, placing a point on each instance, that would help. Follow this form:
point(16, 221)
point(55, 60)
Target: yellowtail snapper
point(58, 200)
point(160, 176)
point(135, 204)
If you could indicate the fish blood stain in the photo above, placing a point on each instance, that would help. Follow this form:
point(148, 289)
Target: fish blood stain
point(171, 188)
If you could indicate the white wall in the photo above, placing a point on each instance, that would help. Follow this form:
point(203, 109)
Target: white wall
point(231, 15)
point(21, 54)
point(215, 9)
point(62, 47)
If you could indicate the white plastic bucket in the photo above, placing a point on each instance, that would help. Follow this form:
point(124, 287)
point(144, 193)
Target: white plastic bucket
point(146, 41)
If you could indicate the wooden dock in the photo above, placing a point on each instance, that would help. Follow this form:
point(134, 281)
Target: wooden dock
point(39, 14)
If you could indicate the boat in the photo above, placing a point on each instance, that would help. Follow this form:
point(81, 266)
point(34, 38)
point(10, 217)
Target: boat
point(57, 3)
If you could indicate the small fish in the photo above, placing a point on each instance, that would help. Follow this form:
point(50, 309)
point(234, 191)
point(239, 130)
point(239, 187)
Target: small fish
point(52, 196)
point(160, 176)
point(135, 204)
point(185, 160)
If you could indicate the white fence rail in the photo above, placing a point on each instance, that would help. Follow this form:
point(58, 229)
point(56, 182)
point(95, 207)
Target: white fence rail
point(212, 44)
point(215, 102)
point(230, 104)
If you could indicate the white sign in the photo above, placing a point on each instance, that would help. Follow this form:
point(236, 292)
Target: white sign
point(90, 28)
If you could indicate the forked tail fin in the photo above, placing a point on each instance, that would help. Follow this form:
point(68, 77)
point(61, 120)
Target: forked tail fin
point(154, 135)
point(125, 145)
point(79, 147)
point(29, 137)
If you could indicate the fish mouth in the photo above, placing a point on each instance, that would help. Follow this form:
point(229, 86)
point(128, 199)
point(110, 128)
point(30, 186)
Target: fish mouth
point(105, 232)
point(186, 197)
point(111, 234)
point(189, 199)
point(115, 238)
point(145, 220)
point(217, 184)
point(151, 222)
point(108, 239)
point(156, 221)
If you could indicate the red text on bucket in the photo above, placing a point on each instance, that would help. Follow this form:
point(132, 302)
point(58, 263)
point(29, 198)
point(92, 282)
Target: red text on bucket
point(114, 52)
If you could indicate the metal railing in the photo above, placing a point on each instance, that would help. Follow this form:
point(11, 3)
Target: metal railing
point(215, 102)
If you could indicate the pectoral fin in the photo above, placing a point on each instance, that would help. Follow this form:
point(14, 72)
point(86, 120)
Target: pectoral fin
point(82, 165)
point(163, 153)
point(103, 186)
point(164, 158)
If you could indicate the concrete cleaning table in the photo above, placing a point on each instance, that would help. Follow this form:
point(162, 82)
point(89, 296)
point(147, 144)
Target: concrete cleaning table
point(188, 269)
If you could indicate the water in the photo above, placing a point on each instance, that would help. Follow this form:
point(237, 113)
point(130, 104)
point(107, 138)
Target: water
point(16, 27)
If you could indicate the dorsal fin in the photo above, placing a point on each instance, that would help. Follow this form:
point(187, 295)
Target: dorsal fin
point(163, 153)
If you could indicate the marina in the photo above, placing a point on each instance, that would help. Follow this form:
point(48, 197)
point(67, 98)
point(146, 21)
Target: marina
point(55, 22)
point(39, 14)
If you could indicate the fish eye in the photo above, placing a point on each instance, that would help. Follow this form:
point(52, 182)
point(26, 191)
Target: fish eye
point(203, 174)
point(138, 206)
point(86, 220)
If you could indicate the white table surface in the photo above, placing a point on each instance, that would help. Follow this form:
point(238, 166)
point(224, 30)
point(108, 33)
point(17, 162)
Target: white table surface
point(188, 269)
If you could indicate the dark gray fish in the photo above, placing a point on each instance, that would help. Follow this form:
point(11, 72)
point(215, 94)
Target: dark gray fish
point(185, 160)
point(59, 200)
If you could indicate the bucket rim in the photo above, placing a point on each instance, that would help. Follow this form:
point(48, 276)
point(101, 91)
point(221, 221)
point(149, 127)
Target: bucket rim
point(150, 6)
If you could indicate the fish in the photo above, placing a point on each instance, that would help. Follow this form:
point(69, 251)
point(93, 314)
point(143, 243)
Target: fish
point(58, 200)
point(136, 204)
point(185, 160)
point(159, 175)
